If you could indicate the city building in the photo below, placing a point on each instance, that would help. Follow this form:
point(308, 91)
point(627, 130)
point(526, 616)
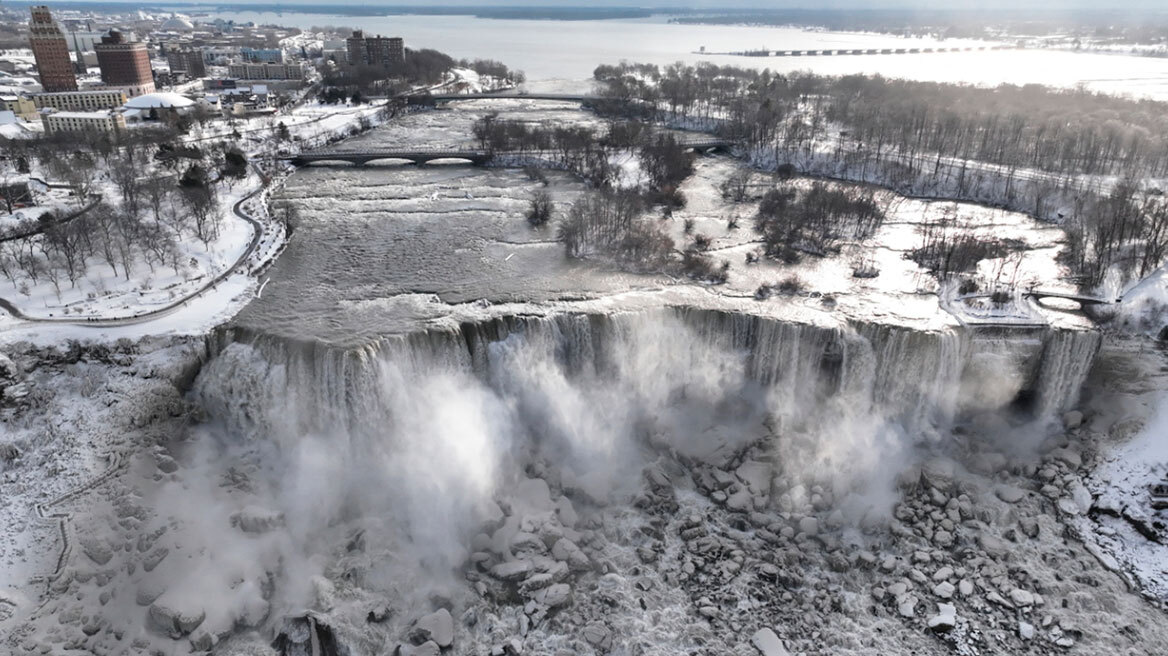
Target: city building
point(268, 55)
point(176, 23)
point(81, 101)
point(247, 71)
point(84, 41)
point(375, 50)
point(160, 105)
point(246, 100)
point(187, 60)
point(21, 106)
point(57, 121)
point(51, 50)
point(125, 64)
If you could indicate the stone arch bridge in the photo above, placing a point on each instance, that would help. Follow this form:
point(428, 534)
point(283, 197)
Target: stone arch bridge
point(477, 157)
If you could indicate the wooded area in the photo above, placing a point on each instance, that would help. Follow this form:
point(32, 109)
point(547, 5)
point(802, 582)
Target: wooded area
point(1043, 151)
point(163, 195)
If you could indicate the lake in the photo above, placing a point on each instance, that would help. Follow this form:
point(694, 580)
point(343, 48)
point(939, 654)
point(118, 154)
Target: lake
point(571, 50)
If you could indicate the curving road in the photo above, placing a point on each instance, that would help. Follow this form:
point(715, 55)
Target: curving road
point(96, 322)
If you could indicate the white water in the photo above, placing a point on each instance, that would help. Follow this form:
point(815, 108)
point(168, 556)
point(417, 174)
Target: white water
point(412, 439)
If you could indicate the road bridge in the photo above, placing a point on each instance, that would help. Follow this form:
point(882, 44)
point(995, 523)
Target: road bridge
point(478, 157)
point(1082, 299)
point(412, 155)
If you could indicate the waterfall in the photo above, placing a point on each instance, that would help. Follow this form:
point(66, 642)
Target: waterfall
point(410, 442)
point(1066, 361)
point(918, 378)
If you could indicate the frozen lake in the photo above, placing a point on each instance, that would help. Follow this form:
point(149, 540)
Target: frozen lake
point(573, 49)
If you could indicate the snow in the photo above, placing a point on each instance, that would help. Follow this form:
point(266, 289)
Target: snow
point(1121, 482)
point(1144, 306)
point(104, 293)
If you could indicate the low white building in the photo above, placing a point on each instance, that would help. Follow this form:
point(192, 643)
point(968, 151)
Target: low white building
point(58, 121)
point(161, 104)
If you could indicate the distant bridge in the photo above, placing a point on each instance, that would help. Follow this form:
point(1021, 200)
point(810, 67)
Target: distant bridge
point(475, 156)
point(853, 51)
point(1081, 299)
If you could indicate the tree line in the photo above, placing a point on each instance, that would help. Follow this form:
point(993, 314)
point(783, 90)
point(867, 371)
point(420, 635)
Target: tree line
point(1027, 148)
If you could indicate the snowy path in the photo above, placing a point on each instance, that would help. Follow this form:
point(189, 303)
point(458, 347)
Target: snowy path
point(237, 210)
point(62, 520)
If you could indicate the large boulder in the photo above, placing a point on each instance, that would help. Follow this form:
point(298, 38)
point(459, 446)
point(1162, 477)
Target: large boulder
point(945, 619)
point(255, 520)
point(437, 626)
point(566, 551)
point(175, 621)
point(767, 643)
point(554, 595)
point(512, 571)
point(598, 635)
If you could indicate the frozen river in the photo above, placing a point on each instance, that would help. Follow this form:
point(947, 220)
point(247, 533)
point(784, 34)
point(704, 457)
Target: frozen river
point(385, 248)
point(572, 50)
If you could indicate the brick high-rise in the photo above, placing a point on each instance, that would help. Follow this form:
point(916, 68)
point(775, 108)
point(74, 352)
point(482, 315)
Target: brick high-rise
point(375, 50)
point(187, 60)
point(124, 63)
point(54, 63)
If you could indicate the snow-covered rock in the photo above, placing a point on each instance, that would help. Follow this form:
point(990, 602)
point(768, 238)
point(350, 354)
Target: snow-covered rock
point(554, 595)
point(255, 520)
point(945, 619)
point(1009, 493)
point(437, 626)
point(767, 643)
point(566, 551)
point(512, 571)
point(1021, 597)
point(175, 621)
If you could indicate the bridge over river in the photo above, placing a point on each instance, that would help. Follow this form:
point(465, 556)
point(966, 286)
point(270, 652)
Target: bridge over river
point(476, 156)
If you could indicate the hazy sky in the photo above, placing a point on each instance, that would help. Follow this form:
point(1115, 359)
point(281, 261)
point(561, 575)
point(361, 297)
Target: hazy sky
point(771, 4)
point(1158, 6)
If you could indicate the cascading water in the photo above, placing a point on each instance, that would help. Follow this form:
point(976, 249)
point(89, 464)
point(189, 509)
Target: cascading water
point(409, 441)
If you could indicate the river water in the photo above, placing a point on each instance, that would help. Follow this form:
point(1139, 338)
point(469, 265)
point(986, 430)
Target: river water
point(572, 50)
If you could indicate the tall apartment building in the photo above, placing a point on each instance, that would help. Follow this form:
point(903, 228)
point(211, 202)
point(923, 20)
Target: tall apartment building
point(51, 51)
point(124, 64)
point(375, 50)
point(187, 60)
